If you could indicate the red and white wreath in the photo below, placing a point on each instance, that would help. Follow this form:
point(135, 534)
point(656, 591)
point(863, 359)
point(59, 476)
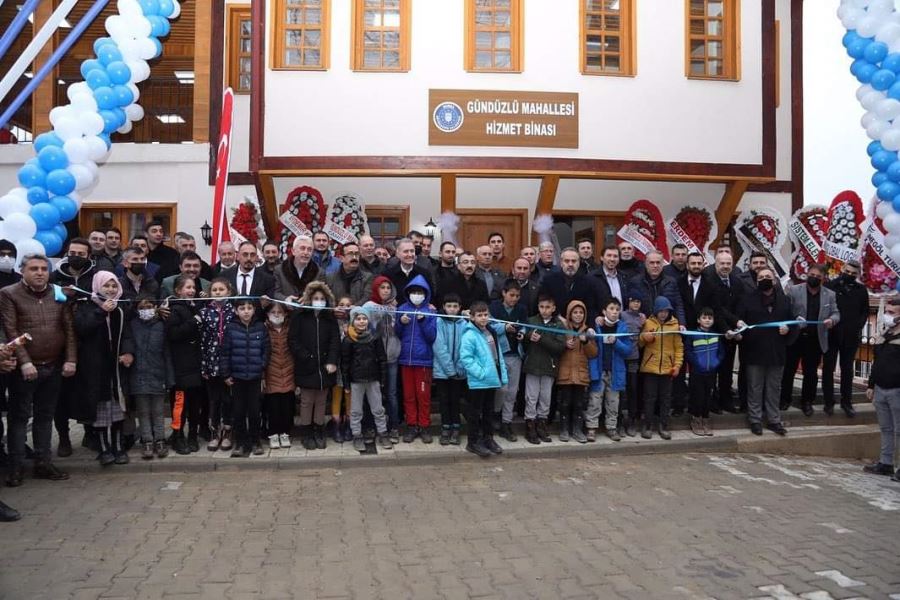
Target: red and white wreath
point(695, 227)
point(808, 228)
point(644, 229)
point(845, 219)
point(306, 204)
point(762, 229)
point(347, 211)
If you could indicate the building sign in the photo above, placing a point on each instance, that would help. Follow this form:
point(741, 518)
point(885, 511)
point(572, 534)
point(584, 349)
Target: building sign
point(502, 118)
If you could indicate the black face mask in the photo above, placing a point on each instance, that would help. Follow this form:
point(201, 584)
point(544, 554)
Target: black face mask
point(813, 281)
point(765, 285)
point(845, 278)
point(137, 268)
point(78, 262)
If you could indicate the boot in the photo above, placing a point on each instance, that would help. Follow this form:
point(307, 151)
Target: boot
point(306, 437)
point(613, 434)
point(807, 409)
point(107, 456)
point(531, 432)
point(118, 445)
point(215, 440)
point(507, 433)
point(697, 426)
point(193, 442)
point(620, 426)
point(337, 431)
point(664, 430)
point(226, 442)
point(541, 429)
point(563, 424)
point(319, 436)
point(578, 428)
point(707, 427)
point(592, 435)
point(647, 430)
point(630, 429)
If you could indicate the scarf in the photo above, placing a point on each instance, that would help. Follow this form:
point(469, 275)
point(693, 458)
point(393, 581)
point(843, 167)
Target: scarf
point(359, 338)
point(100, 279)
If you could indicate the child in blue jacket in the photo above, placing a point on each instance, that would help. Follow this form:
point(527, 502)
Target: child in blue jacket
point(482, 358)
point(417, 329)
point(609, 370)
point(449, 376)
point(243, 357)
point(634, 320)
point(704, 353)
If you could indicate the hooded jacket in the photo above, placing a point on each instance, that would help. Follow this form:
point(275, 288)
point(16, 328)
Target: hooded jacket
point(315, 341)
point(382, 318)
point(417, 336)
point(622, 350)
point(280, 369)
point(183, 333)
point(542, 357)
point(478, 360)
point(214, 320)
point(666, 351)
point(573, 364)
point(447, 342)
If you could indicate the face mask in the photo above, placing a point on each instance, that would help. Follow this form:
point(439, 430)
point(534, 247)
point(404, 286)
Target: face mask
point(888, 321)
point(78, 262)
point(610, 321)
point(318, 304)
point(417, 299)
point(145, 314)
point(137, 268)
point(765, 285)
point(277, 320)
point(7, 263)
point(813, 281)
point(847, 278)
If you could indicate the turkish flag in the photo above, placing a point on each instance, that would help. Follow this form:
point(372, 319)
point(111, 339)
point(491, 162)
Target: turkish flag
point(220, 231)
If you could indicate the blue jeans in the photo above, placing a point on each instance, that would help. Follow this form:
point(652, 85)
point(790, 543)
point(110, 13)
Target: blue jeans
point(390, 397)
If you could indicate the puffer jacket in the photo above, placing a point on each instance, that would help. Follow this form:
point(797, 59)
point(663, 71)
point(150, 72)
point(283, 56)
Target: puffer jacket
point(46, 316)
point(478, 360)
point(382, 319)
point(666, 351)
point(622, 351)
point(214, 319)
point(183, 334)
point(542, 358)
point(244, 351)
point(573, 364)
point(280, 370)
point(152, 371)
point(417, 336)
point(315, 341)
point(362, 360)
point(446, 348)
point(704, 352)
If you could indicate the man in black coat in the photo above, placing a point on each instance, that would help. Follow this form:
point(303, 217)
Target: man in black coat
point(249, 279)
point(227, 259)
point(406, 267)
point(567, 285)
point(678, 267)
point(629, 265)
point(467, 284)
point(446, 272)
point(160, 254)
point(727, 290)
point(607, 281)
point(651, 283)
point(843, 342)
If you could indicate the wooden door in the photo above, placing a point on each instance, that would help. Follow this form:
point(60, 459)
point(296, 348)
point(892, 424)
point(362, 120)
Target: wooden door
point(129, 218)
point(477, 224)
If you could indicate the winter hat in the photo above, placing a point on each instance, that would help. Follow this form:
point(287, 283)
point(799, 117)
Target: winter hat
point(358, 310)
point(6, 245)
point(662, 303)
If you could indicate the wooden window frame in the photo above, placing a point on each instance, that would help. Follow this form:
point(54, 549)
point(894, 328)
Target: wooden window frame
point(383, 211)
point(126, 208)
point(599, 216)
point(627, 40)
point(279, 27)
point(357, 43)
point(731, 41)
point(236, 14)
point(516, 41)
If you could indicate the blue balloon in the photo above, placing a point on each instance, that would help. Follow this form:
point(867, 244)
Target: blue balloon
point(52, 158)
point(887, 190)
point(109, 53)
point(60, 182)
point(896, 203)
point(879, 177)
point(864, 73)
point(60, 230)
point(47, 139)
point(893, 172)
point(89, 65)
point(848, 38)
point(874, 147)
point(856, 65)
point(124, 95)
point(31, 175)
point(875, 52)
point(110, 121)
point(883, 79)
point(166, 8)
point(37, 195)
point(121, 117)
point(894, 91)
point(98, 78)
point(118, 72)
point(858, 48)
point(104, 41)
point(159, 26)
point(68, 208)
point(882, 159)
point(105, 97)
point(45, 215)
point(149, 7)
point(892, 62)
point(51, 241)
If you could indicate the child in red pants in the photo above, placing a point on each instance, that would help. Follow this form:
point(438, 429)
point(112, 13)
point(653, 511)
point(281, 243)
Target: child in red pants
point(416, 327)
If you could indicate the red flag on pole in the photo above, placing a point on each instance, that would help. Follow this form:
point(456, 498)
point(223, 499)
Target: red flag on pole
point(220, 232)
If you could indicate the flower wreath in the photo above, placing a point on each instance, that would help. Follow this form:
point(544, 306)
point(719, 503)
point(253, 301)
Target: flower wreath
point(698, 224)
point(347, 211)
point(767, 227)
point(306, 204)
point(245, 221)
point(645, 217)
point(845, 219)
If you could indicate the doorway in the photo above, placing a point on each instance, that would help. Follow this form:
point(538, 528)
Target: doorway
point(600, 227)
point(477, 224)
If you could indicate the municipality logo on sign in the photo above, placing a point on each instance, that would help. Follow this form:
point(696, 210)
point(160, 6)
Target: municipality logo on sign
point(448, 117)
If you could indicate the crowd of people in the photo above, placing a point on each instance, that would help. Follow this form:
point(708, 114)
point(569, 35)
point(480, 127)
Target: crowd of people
point(148, 346)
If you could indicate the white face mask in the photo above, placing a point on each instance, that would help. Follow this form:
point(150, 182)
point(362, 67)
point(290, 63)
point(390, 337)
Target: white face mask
point(318, 304)
point(610, 321)
point(888, 321)
point(7, 263)
point(276, 320)
point(145, 314)
point(417, 299)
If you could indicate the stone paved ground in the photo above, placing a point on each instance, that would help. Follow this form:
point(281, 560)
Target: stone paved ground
point(692, 526)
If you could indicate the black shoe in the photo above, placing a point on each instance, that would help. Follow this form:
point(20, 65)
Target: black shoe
point(879, 468)
point(445, 436)
point(777, 428)
point(783, 406)
point(491, 445)
point(476, 447)
point(541, 429)
point(828, 409)
point(319, 437)
point(454, 437)
point(715, 410)
point(646, 430)
point(106, 458)
point(307, 438)
point(677, 412)
point(64, 449)
point(49, 471)
point(756, 428)
point(410, 434)
point(531, 432)
point(664, 432)
point(15, 476)
point(179, 444)
point(808, 410)
point(507, 432)
point(258, 449)
point(193, 443)
point(8, 513)
point(848, 410)
point(630, 429)
point(425, 435)
point(122, 458)
point(337, 433)
point(730, 408)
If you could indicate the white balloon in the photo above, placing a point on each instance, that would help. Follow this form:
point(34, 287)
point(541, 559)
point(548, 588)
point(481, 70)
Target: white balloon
point(863, 90)
point(117, 27)
point(10, 205)
point(129, 8)
point(881, 8)
point(97, 150)
point(140, 70)
point(84, 177)
point(877, 129)
point(872, 99)
point(134, 90)
point(889, 33)
point(177, 10)
point(130, 49)
point(28, 246)
point(868, 118)
point(84, 103)
point(868, 26)
point(888, 109)
point(19, 226)
point(93, 168)
point(79, 88)
point(883, 209)
point(139, 26)
point(68, 128)
point(60, 112)
point(890, 140)
point(91, 124)
point(127, 128)
point(852, 16)
point(135, 112)
point(18, 192)
point(148, 48)
point(892, 223)
point(76, 149)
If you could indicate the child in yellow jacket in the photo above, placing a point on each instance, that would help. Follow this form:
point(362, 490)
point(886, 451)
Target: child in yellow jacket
point(663, 355)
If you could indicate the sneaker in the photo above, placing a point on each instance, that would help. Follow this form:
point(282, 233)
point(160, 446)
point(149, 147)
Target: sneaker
point(162, 449)
point(49, 471)
point(477, 448)
point(274, 441)
point(592, 435)
point(879, 468)
point(454, 437)
point(425, 435)
point(238, 452)
point(147, 452)
point(384, 441)
point(106, 459)
point(613, 434)
point(491, 445)
point(226, 443)
point(359, 444)
point(395, 436)
point(122, 458)
point(258, 449)
point(410, 434)
point(285, 440)
point(444, 440)
point(664, 432)
point(214, 441)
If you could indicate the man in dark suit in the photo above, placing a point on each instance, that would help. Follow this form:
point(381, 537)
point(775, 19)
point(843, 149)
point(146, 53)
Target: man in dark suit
point(696, 294)
point(568, 284)
point(249, 279)
point(406, 267)
point(607, 281)
point(726, 292)
point(467, 284)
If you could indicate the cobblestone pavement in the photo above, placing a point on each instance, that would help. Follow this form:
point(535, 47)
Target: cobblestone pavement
point(692, 526)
